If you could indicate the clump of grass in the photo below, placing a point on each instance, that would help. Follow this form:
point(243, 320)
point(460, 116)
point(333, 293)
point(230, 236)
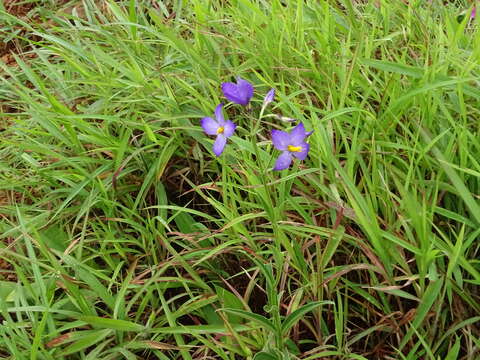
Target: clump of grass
point(123, 237)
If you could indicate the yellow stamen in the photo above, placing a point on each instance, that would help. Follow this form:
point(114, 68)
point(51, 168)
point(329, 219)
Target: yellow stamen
point(220, 130)
point(292, 148)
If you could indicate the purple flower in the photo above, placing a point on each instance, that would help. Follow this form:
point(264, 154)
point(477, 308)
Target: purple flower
point(239, 93)
point(291, 144)
point(219, 127)
point(269, 97)
point(473, 14)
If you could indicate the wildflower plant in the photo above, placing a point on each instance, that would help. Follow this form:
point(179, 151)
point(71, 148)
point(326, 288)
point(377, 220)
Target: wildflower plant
point(268, 98)
point(219, 127)
point(292, 144)
point(239, 93)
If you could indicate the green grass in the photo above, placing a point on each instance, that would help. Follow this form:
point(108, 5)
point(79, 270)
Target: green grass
point(123, 237)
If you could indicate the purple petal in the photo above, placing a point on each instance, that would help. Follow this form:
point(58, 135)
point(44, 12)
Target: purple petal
point(230, 91)
point(280, 139)
point(219, 144)
point(239, 93)
point(269, 97)
point(297, 135)
point(474, 12)
point(229, 128)
point(245, 90)
point(302, 154)
point(283, 161)
point(219, 115)
point(209, 125)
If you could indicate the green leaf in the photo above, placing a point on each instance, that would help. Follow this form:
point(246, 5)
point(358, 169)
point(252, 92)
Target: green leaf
point(199, 329)
point(331, 247)
point(453, 353)
point(259, 319)
point(187, 224)
point(292, 347)
point(114, 324)
point(230, 301)
point(291, 319)
point(7, 291)
point(86, 340)
point(389, 66)
point(401, 293)
point(263, 355)
point(211, 316)
point(55, 238)
point(428, 299)
point(150, 134)
point(89, 278)
point(457, 182)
